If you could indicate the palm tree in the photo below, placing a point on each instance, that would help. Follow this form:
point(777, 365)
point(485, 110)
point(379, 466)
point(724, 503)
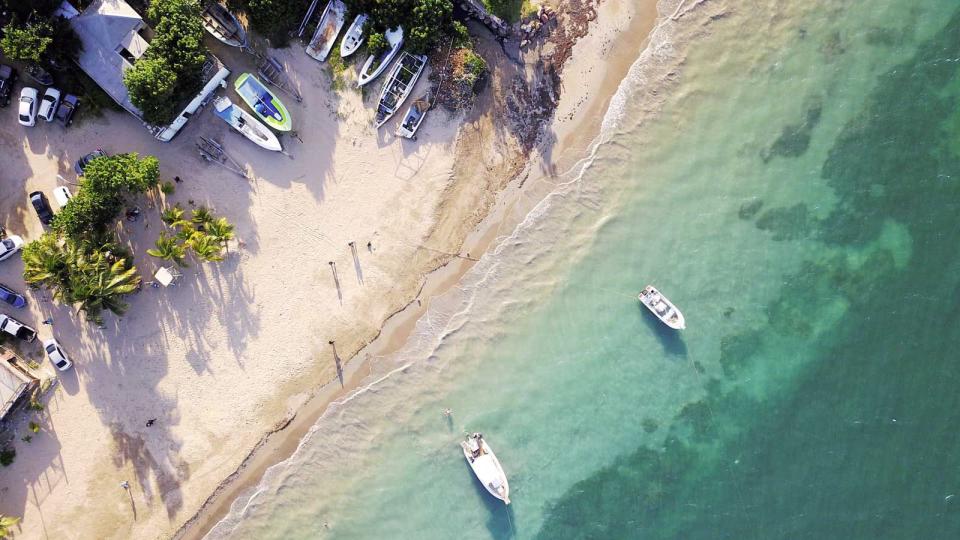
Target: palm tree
point(5, 523)
point(173, 216)
point(169, 249)
point(101, 285)
point(202, 217)
point(45, 263)
point(220, 230)
point(205, 247)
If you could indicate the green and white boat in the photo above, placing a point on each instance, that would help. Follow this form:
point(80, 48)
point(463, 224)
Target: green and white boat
point(264, 103)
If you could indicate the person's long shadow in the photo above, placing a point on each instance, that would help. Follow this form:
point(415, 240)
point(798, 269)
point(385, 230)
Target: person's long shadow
point(670, 339)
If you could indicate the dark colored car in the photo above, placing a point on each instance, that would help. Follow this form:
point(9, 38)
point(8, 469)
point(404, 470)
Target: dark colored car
point(68, 106)
point(42, 206)
point(85, 160)
point(11, 297)
point(8, 76)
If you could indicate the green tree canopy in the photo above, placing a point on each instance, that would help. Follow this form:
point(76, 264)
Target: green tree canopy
point(104, 188)
point(151, 85)
point(172, 68)
point(26, 42)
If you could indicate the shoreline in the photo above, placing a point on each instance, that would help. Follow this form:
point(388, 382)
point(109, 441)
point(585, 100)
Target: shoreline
point(575, 124)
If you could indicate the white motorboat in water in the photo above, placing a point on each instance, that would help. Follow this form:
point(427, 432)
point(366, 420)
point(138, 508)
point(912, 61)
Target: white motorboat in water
point(486, 466)
point(664, 309)
point(377, 63)
point(246, 124)
point(354, 36)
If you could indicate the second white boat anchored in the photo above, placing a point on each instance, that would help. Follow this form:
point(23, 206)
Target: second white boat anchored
point(486, 466)
point(664, 309)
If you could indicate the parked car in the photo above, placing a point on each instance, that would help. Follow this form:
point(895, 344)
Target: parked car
point(48, 105)
point(9, 246)
point(42, 206)
point(16, 328)
point(8, 76)
point(66, 109)
point(28, 106)
point(85, 160)
point(56, 355)
point(62, 195)
point(11, 297)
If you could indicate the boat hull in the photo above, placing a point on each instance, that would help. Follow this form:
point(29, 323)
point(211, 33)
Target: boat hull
point(223, 25)
point(264, 103)
point(354, 36)
point(395, 90)
point(411, 121)
point(662, 308)
point(245, 124)
point(486, 467)
point(331, 22)
point(368, 73)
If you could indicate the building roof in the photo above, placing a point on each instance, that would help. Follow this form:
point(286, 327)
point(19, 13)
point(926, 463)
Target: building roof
point(13, 382)
point(106, 28)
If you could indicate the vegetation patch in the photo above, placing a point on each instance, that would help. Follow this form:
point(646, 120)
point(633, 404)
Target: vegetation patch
point(81, 261)
point(172, 68)
point(202, 233)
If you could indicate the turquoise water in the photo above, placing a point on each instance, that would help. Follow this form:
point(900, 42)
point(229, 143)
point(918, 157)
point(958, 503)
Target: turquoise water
point(796, 194)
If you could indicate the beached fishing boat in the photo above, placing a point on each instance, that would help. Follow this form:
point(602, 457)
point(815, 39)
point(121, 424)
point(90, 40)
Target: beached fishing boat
point(376, 63)
point(486, 466)
point(328, 28)
point(662, 308)
point(354, 36)
point(223, 25)
point(264, 103)
point(412, 120)
point(398, 86)
point(246, 124)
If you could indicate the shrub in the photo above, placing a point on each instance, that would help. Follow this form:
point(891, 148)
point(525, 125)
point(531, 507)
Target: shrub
point(274, 19)
point(27, 42)
point(376, 43)
point(171, 69)
point(34, 427)
point(7, 456)
point(167, 188)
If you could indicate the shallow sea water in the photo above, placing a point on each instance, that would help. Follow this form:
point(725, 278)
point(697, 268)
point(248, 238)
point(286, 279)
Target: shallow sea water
point(798, 196)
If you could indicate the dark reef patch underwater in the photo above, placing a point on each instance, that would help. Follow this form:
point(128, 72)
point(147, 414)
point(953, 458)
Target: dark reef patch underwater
point(861, 442)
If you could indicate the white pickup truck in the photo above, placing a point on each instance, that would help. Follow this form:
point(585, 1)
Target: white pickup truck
point(16, 328)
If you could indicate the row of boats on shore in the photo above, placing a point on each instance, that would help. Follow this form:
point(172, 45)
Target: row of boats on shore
point(270, 111)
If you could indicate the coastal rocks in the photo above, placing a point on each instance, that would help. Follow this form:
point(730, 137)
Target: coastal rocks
point(476, 10)
point(533, 27)
point(794, 140)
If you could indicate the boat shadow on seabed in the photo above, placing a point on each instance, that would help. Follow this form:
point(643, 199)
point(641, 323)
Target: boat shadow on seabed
point(670, 339)
point(500, 522)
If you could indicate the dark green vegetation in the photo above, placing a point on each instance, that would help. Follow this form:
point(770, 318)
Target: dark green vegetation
point(273, 19)
point(81, 261)
point(171, 69)
point(29, 32)
point(861, 444)
point(509, 10)
point(425, 22)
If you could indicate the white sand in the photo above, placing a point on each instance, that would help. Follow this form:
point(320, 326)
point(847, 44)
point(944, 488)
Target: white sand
point(212, 358)
point(235, 348)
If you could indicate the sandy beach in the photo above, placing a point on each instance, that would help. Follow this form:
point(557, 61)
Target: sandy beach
point(237, 351)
